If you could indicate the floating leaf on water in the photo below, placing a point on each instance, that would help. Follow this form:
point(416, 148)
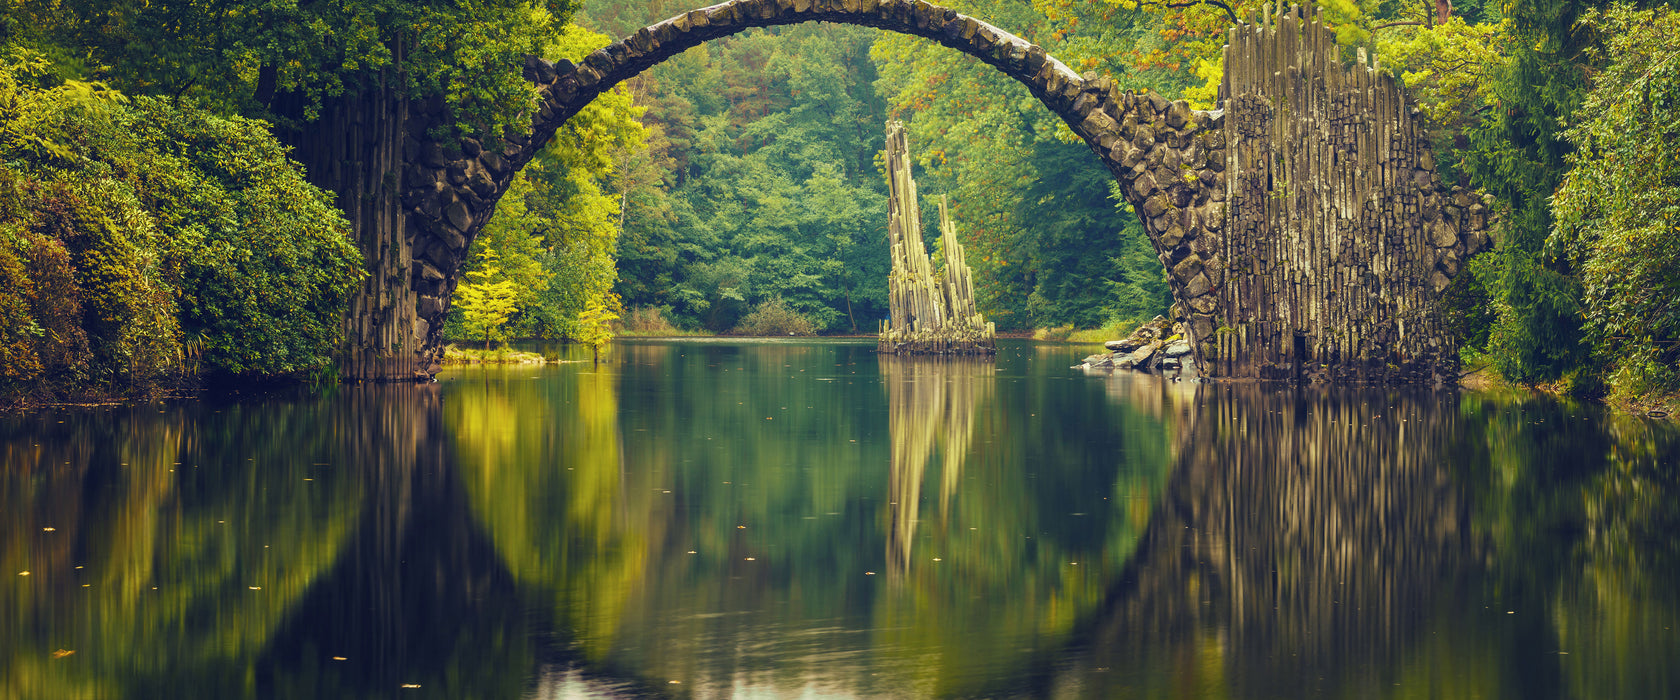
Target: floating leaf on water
point(61, 653)
point(23, 573)
point(48, 529)
point(340, 658)
point(411, 685)
point(255, 588)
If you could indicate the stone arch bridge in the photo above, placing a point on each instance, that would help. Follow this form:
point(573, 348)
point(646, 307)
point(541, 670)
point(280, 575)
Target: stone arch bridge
point(1302, 226)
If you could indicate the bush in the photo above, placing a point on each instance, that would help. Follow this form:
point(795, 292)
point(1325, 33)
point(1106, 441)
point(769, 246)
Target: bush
point(774, 317)
point(646, 319)
point(1617, 215)
point(142, 239)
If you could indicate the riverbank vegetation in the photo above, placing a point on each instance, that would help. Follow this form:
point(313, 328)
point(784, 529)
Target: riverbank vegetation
point(144, 241)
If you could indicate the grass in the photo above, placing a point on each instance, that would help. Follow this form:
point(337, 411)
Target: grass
point(1113, 330)
point(671, 333)
point(454, 355)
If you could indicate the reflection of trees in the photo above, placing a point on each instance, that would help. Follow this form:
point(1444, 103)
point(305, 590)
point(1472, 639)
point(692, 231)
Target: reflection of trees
point(543, 472)
point(232, 550)
point(931, 403)
point(1043, 507)
point(176, 553)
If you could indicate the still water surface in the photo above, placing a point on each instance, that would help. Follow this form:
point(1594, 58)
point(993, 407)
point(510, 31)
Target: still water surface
point(726, 519)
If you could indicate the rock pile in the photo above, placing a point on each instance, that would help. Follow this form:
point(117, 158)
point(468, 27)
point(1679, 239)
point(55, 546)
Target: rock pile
point(1157, 346)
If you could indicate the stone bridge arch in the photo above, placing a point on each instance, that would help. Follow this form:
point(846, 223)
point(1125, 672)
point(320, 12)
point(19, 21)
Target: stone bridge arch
point(1271, 277)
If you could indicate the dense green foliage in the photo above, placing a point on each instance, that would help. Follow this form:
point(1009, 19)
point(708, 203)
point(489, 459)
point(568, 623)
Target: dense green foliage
point(171, 233)
point(758, 180)
point(285, 61)
point(554, 234)
point(1618, 211)
point(140, 239)
point(745, 171)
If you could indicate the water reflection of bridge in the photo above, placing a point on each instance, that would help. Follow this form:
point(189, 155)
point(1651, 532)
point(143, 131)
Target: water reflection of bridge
point(1305, 542)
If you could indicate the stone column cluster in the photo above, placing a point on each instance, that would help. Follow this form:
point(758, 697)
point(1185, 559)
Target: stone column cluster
point(1341, 237)
point(932, 312)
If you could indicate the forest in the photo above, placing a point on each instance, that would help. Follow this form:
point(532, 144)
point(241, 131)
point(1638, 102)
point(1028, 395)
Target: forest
point(156, 223)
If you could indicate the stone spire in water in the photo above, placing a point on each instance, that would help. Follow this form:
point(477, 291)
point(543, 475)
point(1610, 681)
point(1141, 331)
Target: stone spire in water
point(932, 313)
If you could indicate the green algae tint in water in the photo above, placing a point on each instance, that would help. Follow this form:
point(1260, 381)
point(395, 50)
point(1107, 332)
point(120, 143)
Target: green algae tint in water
point(727, 519)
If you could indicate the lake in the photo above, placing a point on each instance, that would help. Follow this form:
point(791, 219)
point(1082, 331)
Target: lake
point(717, 518)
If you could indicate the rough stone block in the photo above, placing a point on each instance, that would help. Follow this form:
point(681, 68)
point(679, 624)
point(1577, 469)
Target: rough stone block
point(1173, 236)
point(1178, 114)
point(1155, 206)
point(1098, 122)
point(1443, 234)
point(1144, 137)
point(1157, 103)
point(1198, 285)
point(428, 306)
point(1187, 269)
point(1143, 186)
point(1202, 325)
point(458, 216)
point(427, 271)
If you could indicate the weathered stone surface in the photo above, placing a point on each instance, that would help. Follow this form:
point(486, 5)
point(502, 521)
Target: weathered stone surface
point(1187, 269)
point(1172, 237)
point(1444, 234)
point(458, 216)
point(1198, 285)
point(429, 306)
point(427, 270)
point(1178, 114)
point(1141, 355)
point(1155, 206)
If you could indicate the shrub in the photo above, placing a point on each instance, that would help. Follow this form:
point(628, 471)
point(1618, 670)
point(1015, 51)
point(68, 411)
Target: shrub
point(128, 225)
point(647, 319)
point(774, 317)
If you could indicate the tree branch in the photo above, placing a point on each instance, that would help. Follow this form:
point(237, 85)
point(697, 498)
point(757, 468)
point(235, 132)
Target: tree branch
point(1229, 13)
point(1397, 24)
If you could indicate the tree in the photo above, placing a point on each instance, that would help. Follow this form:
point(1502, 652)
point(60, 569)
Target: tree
point(337, 81)
point(1617, 213)
point(595, 324)
point(486, 301)
point(1518, 155)
point(144, 238)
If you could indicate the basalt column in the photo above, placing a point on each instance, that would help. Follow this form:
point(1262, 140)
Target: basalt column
point(1339, 236)
point(932, 312)
point(355, 150)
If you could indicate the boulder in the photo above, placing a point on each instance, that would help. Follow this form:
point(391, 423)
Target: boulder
point(1142, 355)
point(1177, 348)
point(1126, 344)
